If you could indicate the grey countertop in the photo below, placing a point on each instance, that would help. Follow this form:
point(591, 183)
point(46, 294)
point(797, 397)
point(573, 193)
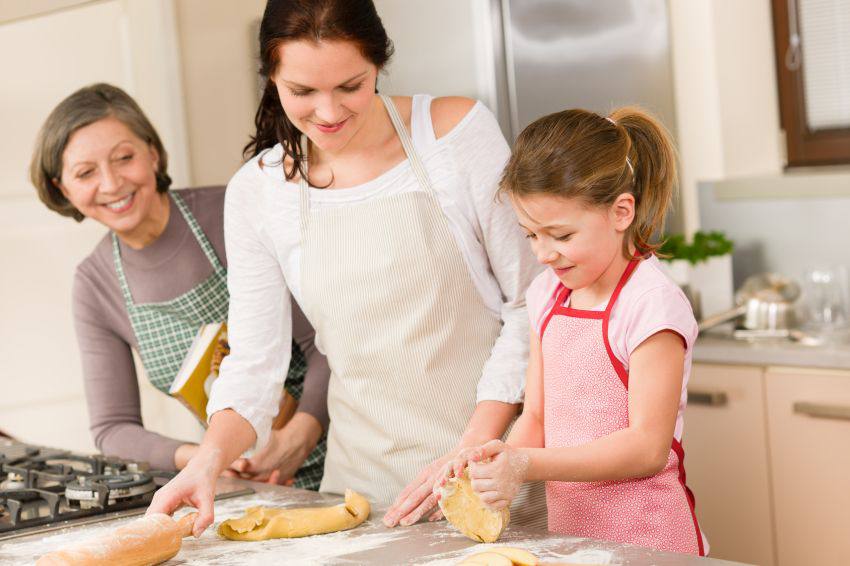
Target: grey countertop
point(718, 347)
point(435, 544)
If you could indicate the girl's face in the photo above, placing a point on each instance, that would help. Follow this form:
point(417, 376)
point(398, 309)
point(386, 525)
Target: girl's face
point(109, 175)
point(577, 241)
point(326, 89)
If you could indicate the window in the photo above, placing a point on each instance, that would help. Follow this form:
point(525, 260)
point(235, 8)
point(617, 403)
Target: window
point(812, 42)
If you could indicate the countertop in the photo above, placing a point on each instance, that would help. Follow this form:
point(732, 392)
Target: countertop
point(719, 347)
point(435, 544)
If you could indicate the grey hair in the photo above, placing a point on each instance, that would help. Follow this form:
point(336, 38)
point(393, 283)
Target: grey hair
point(83, 107)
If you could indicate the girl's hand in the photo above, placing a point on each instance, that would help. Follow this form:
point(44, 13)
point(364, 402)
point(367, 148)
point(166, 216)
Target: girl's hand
point(193, 486)
point(497, 472)
point(454, 467)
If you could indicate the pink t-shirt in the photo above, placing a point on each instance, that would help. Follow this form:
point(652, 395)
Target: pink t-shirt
point(649, 303)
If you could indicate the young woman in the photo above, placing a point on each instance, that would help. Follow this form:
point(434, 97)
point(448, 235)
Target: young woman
point(153, 280)
point(378, 215)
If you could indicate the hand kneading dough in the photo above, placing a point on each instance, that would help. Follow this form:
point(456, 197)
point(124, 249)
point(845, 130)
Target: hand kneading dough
point(468, 514)
point(149, 540)
point(262, 523)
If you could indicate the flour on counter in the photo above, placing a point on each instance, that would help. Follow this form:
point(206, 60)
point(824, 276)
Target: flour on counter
point(543, 549)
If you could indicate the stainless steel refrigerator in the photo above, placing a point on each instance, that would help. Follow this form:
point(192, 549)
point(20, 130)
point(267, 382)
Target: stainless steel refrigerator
point(592, 54)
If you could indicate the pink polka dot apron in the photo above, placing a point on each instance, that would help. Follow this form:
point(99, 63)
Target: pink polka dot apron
point(586, 396)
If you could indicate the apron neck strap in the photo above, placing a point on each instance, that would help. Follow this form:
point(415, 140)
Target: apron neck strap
point(622, 283)
point(205, 244)
point(406, 142)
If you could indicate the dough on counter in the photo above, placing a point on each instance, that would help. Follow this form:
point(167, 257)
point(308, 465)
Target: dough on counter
point(518, 556)
point(464, 509)
point(502, 556)
point(487, 559)
point(263, 523)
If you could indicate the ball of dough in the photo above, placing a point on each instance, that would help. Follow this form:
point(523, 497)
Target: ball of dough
point(465, 511)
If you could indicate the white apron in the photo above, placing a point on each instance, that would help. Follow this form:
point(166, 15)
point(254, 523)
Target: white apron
point(405, 331)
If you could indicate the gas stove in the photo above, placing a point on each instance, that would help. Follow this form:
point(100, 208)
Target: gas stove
point(45, 489)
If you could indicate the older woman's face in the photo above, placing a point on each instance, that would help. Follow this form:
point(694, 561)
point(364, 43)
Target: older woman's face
point(109, 175)
point(326, 89)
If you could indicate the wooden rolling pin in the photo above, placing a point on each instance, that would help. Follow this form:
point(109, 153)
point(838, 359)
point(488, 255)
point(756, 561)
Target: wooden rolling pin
point(144, 542)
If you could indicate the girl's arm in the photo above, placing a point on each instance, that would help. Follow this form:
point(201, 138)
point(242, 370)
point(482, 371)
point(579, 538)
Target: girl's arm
point(528, 429)
point(641, 450)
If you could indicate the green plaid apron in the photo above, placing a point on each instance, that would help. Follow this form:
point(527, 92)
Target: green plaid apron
point(165, 332)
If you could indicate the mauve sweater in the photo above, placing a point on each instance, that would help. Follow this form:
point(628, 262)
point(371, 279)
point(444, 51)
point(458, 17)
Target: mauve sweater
point(163, 270)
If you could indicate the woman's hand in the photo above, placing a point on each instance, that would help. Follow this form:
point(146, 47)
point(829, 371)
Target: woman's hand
point(418, 497)
point(193, 486)
point(496, 472)
point(279, 460)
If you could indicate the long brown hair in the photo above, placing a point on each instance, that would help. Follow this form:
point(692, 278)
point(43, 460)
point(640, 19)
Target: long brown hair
point(316, 20)
point(580, 154)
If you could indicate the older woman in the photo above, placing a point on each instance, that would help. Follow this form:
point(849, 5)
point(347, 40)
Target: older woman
point(154, 279)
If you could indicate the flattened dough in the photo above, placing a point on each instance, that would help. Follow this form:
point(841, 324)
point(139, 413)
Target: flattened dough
point(468, 514)
point(487, 559)
point(518, 556)
point(263, 523)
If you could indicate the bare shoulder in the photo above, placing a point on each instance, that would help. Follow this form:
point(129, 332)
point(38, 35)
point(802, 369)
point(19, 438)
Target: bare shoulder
point(448, 111)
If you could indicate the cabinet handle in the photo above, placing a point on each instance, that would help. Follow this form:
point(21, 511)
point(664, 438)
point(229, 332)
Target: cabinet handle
point(822, 411)
point(708, 398)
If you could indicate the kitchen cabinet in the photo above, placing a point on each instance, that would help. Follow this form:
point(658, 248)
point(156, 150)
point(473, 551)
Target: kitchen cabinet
point(726, 458)
point(809, 428)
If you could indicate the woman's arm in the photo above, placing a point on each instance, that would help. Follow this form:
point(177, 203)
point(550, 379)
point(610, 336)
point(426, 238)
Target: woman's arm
point(291, 445)
point(244, 398)
point(111, 386)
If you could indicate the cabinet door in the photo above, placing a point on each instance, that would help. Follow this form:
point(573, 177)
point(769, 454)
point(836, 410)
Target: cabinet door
point(726, 461)
point(809, 427)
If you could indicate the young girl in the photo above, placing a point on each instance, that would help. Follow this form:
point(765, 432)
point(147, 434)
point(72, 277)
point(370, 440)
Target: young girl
point(610, 339)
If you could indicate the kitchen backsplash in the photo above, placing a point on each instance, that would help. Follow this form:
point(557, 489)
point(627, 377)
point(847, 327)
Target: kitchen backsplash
point(805, 224)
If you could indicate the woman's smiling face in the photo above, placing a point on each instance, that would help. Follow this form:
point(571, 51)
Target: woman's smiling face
point(109, 175)
point(326, 89)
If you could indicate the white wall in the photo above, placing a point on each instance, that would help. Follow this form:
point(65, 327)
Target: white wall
point(442, 47)
point(219, 63)
point(130, 43)
point(727, 108)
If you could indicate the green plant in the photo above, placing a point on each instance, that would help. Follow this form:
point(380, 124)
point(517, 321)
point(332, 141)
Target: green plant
point(703, 246)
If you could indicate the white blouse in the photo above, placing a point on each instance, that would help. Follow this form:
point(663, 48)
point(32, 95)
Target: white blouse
point(262, 236)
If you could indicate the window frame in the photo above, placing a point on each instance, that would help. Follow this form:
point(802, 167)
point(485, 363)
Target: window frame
point(805, 147)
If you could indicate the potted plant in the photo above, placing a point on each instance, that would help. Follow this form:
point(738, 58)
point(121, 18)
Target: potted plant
point(703, 267)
